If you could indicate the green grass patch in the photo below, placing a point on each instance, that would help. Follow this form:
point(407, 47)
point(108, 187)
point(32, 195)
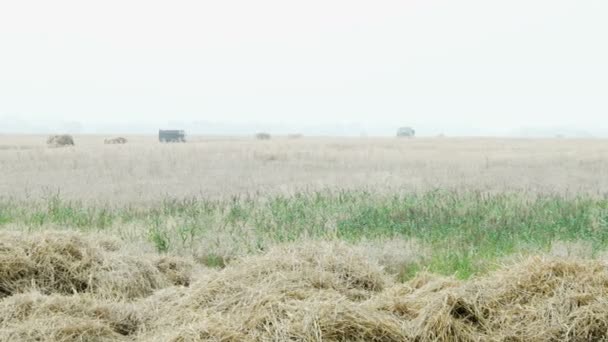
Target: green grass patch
point(466, 232)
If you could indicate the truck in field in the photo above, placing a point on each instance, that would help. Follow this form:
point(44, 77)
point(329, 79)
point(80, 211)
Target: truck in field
point(406, 132)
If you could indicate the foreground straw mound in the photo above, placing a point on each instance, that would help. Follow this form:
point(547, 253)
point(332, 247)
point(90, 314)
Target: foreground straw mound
point(329, 292)
point(291, 293)
point(70, 263)
point(535, 300)
point(70, 287)
point(36, 317)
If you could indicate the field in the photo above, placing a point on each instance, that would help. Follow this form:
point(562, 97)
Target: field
point(308, 239)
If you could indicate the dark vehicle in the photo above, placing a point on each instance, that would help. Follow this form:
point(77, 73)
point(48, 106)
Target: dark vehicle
point(171, 135)
point(406, 132)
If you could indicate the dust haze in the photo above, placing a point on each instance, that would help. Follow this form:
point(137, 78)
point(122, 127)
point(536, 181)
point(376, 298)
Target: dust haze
point(519, 68)
point(338, 170)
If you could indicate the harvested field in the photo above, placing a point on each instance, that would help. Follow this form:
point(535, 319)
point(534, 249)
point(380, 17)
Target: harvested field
point(145, 171)
point(301, 171)
point(309, 239)
point(300, 292)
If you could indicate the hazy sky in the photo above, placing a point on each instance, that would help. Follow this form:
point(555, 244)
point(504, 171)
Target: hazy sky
point(483, 62)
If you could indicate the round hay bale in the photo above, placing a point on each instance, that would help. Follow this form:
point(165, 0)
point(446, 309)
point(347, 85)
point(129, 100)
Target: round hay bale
point(117, 140)
point(262, 136)
point(294, 136)
point(60, 140)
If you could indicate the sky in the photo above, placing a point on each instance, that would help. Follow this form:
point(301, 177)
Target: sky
point(483, 65)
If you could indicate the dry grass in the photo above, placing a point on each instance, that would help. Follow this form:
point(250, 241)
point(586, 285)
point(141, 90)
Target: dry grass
point(280, 271)
point(312, 291)
point(147, 171)
point(69, 263)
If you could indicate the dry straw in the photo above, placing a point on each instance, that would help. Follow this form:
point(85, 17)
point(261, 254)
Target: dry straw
point(117, 140)
point(71, 263)
point(144, 172)
point(69, 287)
point(60, 140)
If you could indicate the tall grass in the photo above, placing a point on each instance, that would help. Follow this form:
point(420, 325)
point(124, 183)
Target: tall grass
point(144, 171)
point(462, 233)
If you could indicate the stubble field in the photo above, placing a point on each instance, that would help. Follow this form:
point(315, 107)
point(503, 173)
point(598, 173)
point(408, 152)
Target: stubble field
point(310, 239)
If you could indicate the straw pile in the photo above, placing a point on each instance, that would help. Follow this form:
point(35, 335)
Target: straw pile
point(60, 140)
point(290, 293)
point(70, 263)
point(113, 141)
point(68, 287)
point(36, 317)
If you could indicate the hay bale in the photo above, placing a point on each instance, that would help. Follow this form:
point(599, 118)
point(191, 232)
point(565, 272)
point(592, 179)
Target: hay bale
point(117, 140)
point(60, 140)
point(295, 136)
point(262, 136)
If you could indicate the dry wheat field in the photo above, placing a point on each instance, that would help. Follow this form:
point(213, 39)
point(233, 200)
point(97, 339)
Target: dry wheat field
point(306, 239)
point(145, 170)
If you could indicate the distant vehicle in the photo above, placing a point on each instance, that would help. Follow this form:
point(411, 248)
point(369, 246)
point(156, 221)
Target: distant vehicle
point(407, 132)
point(262, 136)
point(171, 135)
